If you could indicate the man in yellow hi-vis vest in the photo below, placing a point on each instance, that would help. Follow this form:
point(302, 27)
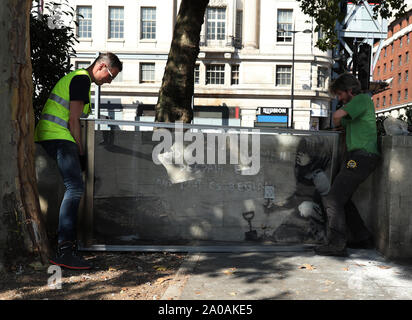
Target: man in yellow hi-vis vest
point(58, 131)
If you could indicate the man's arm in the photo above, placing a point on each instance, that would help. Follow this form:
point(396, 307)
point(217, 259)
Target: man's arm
point(337, 117)
point(76, 109)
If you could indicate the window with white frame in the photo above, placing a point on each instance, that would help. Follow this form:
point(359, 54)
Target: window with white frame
point(284, 26)
point(215, 74)
point(322, 77)
point(239, 26)
point(148, 23)
point(321, 34)
point(283, 75)
point(197, 74)
point(84, 20)
point(116, 22)
point(216, 23)
point(82, 64)
point(147, 72)
point(234, 74)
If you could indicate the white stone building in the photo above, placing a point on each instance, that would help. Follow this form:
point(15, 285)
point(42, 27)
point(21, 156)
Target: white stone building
point(244, 67)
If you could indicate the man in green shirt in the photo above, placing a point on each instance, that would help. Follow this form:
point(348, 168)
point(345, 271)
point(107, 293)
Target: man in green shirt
point(357, 118)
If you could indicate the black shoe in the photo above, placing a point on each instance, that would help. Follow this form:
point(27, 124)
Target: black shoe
point(331, 250)
point(67, 257)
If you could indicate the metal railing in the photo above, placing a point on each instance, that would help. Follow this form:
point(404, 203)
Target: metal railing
point(221, 42)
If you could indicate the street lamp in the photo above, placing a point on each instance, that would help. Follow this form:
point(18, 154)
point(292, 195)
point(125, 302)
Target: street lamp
point(292, 89)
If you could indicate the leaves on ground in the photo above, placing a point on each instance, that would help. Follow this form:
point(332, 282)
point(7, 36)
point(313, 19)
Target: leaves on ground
point(229, 271)
point(384, 267)
point(307, 266)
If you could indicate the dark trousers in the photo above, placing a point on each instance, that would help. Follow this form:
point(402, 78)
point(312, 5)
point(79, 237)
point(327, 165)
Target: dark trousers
point(343, 220)
point(66, 154)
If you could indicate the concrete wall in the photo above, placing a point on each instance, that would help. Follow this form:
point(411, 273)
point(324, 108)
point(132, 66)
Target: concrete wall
point(384, 200)
point(135, 199)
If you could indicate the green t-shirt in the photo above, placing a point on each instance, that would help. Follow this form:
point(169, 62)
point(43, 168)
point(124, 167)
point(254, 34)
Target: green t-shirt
point(360, 124)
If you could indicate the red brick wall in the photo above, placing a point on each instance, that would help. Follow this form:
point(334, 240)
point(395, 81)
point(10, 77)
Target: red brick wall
point(393, 51)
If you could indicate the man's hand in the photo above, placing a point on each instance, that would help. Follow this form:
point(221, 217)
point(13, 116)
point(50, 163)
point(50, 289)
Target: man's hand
point(76, 109)
point(337, 116)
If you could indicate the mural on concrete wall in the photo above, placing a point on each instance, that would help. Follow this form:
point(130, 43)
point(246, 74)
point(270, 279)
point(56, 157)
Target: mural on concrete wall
point(137, 201)
point(312, 172)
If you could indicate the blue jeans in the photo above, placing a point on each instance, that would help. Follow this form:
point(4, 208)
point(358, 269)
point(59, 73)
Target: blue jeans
point(66, 154)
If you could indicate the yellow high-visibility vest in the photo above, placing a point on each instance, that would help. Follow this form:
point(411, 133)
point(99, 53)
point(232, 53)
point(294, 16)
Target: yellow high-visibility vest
point(54, 120)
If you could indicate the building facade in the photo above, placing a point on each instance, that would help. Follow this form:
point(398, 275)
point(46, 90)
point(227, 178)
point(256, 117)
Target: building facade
point(243, 74)
point(394, 67)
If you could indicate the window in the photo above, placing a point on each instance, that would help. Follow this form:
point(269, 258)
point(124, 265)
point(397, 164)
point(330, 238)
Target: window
point(321, 34)
point(284, 26)
point(322, 76)
point(116, 22)
point(239, 27)
point(383, 101)
point(406, 94)
point(399, 96)
point(235, 74)
point(406, 76)
point(216, 23)
point(148, 24)
point(390, 99)
point(84, 20)
point(391, 65)
point(406, 56)
point(407, 38)
point(384, 67)
point(147, 73)
point(197, 73)
point(400, 42)
point(215, 74)
point(399, 78)
point(384, 54)
point(378, 71)
point(283, 75)
point(400, 60)
point(82, 64)
point(377, 103)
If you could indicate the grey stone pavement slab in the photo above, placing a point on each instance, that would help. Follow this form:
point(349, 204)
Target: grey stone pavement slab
point(363, 275)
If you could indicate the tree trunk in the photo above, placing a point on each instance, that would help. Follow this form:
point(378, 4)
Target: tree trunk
point(22, 229)
point(175, 96)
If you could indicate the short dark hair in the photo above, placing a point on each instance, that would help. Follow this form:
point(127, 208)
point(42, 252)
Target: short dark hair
point(111, 59)
point(345, 82)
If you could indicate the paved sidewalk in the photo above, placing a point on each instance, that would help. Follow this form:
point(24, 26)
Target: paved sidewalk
point(363, 275)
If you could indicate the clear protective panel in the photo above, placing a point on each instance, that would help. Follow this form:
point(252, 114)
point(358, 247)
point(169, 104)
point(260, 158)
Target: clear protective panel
point(174, 184)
